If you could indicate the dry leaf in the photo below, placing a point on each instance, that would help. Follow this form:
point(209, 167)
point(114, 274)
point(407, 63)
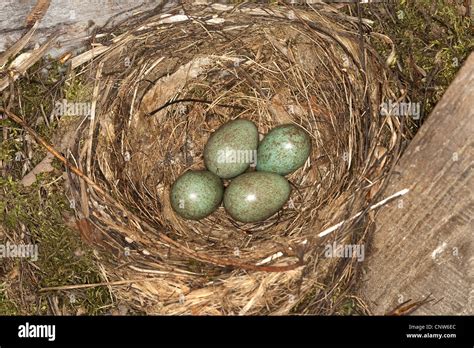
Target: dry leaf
point(88, 233)
point(43, 167)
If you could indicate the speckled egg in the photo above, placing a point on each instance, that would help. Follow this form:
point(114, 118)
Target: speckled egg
point(196, 194)
point(256, 196)
point(232, 148)
point(283, 150)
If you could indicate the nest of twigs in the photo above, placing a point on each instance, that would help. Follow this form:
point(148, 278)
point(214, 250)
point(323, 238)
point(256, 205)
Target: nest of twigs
point(164, 84)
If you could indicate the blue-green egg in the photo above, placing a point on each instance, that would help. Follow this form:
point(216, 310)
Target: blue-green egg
point(232, 148)
point(256, 196)
point(196, 194)
point(283, 150)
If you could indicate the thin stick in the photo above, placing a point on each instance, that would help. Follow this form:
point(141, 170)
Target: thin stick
point(335, 227)
point(17, 46)
point(95, 96)
point(53, 151)
point(179, 247)
point(38, 12)
point(375, 206)
point(86, 286)
point(24, 65)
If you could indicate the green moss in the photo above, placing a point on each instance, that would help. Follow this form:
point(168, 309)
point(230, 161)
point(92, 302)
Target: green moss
point(430, 37)
point(63, 257)
point(75, 90)
point(432, 40)
point(347, 307)
point(9, 147)
point(38, 210)
point(7, 306)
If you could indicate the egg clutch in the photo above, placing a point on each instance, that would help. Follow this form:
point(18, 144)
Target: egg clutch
point(230, 151)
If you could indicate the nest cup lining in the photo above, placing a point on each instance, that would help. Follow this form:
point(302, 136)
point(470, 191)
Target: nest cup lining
point(165, 87)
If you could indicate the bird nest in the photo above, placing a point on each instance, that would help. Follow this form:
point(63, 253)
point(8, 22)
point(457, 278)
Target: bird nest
point(163, 84)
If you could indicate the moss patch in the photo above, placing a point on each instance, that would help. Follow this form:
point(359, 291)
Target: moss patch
point(63, 259)
point(432, 39)
point(35, 214)
point(7, 307)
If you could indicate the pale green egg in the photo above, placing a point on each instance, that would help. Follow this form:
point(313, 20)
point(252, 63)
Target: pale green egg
point(232, 148)
point(196, 194)
point(283, 150)
point(256, 196)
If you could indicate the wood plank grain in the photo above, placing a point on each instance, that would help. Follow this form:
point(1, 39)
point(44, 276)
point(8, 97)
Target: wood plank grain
point(74, 19)
point(424, 243)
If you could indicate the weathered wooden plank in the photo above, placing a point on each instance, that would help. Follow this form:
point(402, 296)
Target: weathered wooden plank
point(424, 244)
point(74, 19)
